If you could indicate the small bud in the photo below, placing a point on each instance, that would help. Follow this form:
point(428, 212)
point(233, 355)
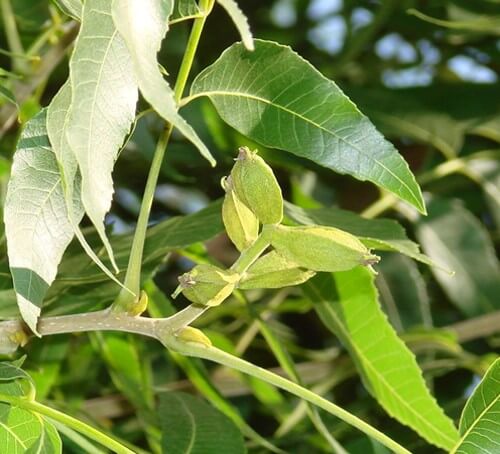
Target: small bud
point(274, 271)
point(257, 187)
point(140, 305)
point(208, 285)
point(242, 226)
point(321, 248)
point(190, 334)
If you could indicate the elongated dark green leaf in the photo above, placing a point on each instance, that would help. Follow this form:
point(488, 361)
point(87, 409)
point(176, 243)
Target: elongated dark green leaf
point(480, 421)
point(348, 305)
point(240, 21)
point(403, 292)
point(278, 99)
point(37, 226)
point(5, 93)
point(190, 425)
point(11, 371)
point(104, 96)
point(452, 234)
point(381, 234)
point(143, 24)
point(72, 8)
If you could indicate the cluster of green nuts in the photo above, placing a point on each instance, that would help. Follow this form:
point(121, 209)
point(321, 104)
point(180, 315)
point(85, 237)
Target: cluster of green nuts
point(253, 209)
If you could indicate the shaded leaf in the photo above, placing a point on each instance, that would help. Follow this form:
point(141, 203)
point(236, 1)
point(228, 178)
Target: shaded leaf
point(37, 226)
point(278, 99)
point(143, 24)
point(240, 20)
point(185, 8)
point(403, 292)
point(479, 423)
point(190, 425)
point(347, 303)
point(452, 234)
point(5, 93)
point(104, 96)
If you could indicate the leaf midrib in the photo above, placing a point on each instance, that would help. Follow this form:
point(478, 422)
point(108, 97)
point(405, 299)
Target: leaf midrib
point(308, 120)
point(381, 377)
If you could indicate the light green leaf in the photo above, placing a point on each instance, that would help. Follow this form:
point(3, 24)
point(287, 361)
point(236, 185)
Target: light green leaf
point(480, 422)
point(278, 99)
point(104, 96)
point(37, 226)
point(58, 115)
point(190, 425)
point(72, 8)
point(347, 303)
point(19, 429)
point(49, 441)
point(143, 24)
point(381, 234)
point(240, 20)
point(452, 234)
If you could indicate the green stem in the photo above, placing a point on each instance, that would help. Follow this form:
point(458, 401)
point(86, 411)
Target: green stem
point(253, 252)
point(13, 39)
point(125, 301)
point(221, 357)
point(68, 421)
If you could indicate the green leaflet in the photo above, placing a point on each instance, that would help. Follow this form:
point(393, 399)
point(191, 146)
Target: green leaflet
point(271, 95)
point(191, 425)
point(58, 115)
point(185, 9)
point(37, 225)
point(6, 94)
point(347, 303)
point(143, 24)
point(452, 234)
point(479, 423)
point(104, 96)
point(240, 21)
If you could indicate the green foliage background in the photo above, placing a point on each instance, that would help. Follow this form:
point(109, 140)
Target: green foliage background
point(431, 88)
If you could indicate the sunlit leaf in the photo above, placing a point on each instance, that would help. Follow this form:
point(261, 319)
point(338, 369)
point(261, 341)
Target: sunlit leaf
point(480, 424)
point(453, 235)
point(20, 429)
point(347, 303)
point(190, 425)
point(271, 95)
point(37, 226)
point(104, 96)
point(72, 8)
point(143, 24)
point(240, 21)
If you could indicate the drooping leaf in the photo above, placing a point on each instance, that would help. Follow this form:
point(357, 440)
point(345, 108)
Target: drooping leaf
point(58, 115)
point(347, 303)
point(36, 219)
point(480, 422)
point(104, 96)
point(190, 425)
point(271, 95)
point(452, 234)
point(240, 21)
point(403, 292)
point(72, 8)
point(143, 24)
point(381, 234)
